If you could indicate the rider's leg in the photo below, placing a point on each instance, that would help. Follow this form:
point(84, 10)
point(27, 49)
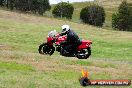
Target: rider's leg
point(65, 50)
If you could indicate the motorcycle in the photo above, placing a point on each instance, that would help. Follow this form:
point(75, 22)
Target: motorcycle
point(83, 51)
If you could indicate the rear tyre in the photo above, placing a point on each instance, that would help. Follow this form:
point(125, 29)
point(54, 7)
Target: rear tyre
point(46, 49)
point(84, 54)
point(89, 53)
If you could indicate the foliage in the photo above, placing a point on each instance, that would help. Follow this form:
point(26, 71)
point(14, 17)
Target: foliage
point(62, 10)
point(1, 3)
point(122, 20)
point(35, 6)
point(93, 15)
point(115, 19)
point(130, 19)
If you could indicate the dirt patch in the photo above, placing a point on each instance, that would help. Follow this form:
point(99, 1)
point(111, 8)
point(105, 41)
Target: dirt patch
point(5, 47)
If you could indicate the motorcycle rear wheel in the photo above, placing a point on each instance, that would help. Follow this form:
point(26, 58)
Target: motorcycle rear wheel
point(85, 56)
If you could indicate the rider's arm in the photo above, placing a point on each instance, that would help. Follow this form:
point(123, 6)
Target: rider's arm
point(61, 34)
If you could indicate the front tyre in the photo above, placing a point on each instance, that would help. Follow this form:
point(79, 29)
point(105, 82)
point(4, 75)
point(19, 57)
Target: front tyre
point(46, 49)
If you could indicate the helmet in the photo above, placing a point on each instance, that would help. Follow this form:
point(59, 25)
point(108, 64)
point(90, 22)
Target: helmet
point(65, 28)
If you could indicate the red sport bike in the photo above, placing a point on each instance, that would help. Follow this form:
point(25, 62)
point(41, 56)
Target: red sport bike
point(83, 51)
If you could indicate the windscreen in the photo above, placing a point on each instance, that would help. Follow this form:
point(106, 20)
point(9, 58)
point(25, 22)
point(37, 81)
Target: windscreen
point(52, 33)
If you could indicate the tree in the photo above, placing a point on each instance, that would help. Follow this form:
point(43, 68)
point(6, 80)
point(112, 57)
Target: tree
point(121, 20)
point(63, 10)
point(1, 3)
point(37, 6)
point(93, 15)
point(130, 19)
point(43, 5)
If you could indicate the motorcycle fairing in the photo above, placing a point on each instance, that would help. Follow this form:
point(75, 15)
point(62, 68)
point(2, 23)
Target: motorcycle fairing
point(84, 44)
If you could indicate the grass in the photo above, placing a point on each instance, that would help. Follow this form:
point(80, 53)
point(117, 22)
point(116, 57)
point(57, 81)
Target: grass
point(15, 66)
point(20, 63)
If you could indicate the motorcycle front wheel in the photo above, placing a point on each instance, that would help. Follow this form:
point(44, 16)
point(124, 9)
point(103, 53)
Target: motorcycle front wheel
point(46, 49)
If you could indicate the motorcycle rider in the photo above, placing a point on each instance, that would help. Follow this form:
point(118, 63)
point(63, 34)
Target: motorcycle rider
point(72, 41)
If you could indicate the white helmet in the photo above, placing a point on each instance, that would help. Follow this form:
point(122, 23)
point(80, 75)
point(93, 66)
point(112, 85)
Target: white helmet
point(65, 28)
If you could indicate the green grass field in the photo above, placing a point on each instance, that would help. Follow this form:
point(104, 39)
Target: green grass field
point(21, 66)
